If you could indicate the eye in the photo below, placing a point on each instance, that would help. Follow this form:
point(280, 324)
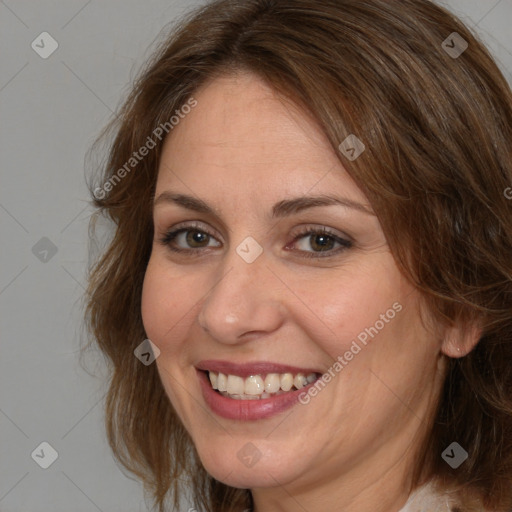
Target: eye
point(320, 243)
point(189, 238)
point(310, 242)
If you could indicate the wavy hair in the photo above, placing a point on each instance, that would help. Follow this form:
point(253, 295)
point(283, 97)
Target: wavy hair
point(438, 135)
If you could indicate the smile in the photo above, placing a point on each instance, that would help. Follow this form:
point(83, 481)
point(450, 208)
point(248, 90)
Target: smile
point(253, 391)
point(257, 387)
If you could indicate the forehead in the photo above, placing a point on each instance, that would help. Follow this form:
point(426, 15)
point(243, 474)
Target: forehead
point(242, 134)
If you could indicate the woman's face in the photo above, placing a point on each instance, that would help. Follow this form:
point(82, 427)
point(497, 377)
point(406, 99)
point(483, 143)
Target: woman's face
point(283, 269)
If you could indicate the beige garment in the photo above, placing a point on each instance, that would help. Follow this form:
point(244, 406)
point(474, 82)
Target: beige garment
point(426, 499)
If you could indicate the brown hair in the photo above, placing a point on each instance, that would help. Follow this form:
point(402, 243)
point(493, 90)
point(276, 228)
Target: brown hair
point(437, 131)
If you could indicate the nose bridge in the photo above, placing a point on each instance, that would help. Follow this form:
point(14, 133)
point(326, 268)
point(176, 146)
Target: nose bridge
point(241, 301)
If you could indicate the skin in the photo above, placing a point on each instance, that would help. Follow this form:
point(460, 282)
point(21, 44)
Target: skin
point(241, 150)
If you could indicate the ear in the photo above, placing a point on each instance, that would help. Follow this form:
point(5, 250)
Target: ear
point(459, 340)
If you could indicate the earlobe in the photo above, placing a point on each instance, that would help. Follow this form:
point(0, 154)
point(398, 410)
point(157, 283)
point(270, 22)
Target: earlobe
point(459, 341)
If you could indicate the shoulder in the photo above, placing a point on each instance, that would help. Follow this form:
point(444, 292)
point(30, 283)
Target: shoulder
point(429, 498)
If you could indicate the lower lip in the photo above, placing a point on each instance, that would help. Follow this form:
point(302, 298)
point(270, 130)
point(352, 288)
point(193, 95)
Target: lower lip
point(247, 410)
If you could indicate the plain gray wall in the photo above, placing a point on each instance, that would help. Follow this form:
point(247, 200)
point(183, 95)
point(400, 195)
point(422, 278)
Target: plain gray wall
point(51, 110)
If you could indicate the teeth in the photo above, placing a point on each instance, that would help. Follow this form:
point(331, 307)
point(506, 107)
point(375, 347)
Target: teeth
point(235, 385)
point(222, 382)
point(272, 383)
point(254, 385)
point(286, 381)
point(213, 379)
point(257, 386)
point(300, 381)
point(242, 397)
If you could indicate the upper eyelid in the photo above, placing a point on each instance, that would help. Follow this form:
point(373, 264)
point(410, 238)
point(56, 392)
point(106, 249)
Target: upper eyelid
point(190, 225)
point(342, 239)
point(310, 229)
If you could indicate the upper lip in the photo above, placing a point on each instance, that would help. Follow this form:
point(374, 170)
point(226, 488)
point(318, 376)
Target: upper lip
point(251, 368)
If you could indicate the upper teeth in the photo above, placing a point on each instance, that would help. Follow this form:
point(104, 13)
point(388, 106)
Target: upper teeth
point(256, 385)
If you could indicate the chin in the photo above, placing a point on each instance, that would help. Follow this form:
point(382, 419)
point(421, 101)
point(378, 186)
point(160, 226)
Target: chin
point(246, 468)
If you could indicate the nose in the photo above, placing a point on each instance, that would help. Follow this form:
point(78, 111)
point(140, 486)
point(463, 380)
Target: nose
point(244, 303)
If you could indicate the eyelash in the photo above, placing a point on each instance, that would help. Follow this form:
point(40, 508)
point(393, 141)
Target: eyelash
point(345, 244)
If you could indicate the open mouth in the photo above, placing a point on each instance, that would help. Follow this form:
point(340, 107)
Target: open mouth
point(257, 387)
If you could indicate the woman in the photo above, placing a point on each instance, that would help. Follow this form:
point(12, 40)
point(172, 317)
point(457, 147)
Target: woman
point(312, 230)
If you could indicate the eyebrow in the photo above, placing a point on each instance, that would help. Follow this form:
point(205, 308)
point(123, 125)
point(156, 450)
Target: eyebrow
point(281, 209)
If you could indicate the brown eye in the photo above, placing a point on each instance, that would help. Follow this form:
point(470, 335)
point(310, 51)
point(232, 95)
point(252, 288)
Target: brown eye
point(189, 238)
point(320, 243)
point(196, 238)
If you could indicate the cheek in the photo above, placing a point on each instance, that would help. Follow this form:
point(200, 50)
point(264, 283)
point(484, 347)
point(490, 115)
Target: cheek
point(163, 307)
point(169, 304)
point(150, 303)
point(160, 307)
point(351, 302)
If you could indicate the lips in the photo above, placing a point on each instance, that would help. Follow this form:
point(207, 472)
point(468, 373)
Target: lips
point(247, 369)
point(237, 407)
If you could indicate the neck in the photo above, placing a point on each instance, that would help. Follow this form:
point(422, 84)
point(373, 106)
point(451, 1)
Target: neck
point(387, 492)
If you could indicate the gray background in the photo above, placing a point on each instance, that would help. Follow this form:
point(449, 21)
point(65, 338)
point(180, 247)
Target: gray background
point(50, 112)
